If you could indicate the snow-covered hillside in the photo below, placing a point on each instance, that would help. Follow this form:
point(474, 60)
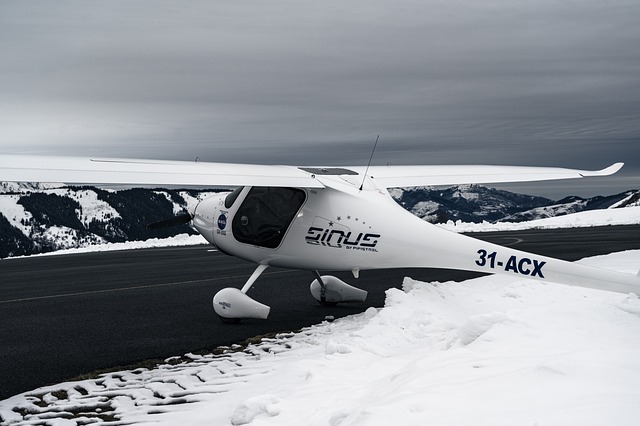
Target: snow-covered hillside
point(477, 203)
point(469, 203)
point(38, 219)
point(25, 187)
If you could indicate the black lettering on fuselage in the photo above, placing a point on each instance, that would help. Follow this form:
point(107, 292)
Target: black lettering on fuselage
point(337, 238)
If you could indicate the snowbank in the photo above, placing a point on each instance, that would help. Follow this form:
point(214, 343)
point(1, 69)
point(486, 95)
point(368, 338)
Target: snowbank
point(489, 351)
point(178, 240)
point(495, 350)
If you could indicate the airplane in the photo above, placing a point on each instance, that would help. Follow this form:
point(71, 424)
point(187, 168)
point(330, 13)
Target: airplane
point(326, 218)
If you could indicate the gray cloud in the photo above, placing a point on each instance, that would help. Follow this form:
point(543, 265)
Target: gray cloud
point(533, 82)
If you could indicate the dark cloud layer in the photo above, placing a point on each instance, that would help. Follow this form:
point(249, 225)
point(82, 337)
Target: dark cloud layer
point(530, 82)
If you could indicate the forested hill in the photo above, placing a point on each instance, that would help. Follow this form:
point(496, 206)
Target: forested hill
point(38, 220)
point(43, 218)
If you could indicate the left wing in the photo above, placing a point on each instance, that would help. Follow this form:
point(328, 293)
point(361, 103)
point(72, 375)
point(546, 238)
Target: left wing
point(27, 168)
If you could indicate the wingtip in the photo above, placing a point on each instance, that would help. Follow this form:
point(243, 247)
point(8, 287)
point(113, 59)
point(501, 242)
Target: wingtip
point(604, 172)
point(611, 169)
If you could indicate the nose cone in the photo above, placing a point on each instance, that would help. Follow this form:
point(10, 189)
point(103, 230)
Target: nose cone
point(206, 215)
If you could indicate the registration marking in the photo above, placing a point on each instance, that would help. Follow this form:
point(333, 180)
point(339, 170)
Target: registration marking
point(518, 265)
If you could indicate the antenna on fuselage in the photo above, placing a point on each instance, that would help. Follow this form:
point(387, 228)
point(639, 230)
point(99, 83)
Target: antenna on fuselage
point(370, 158)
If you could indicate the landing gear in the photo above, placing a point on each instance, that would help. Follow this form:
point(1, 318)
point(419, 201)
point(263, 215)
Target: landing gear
point(232, 304)
point(329, 291)
point(323, 291)
point(230, 320)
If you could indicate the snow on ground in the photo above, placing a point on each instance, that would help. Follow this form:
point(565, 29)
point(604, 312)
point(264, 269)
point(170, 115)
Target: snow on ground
point(495, 350)
point(176, 241)
point(488, 351)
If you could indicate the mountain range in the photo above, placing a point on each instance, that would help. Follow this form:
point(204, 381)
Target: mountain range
point(36, 218)
point(477, 203)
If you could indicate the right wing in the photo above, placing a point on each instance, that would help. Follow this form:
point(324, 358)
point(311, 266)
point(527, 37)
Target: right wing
point(406, 176)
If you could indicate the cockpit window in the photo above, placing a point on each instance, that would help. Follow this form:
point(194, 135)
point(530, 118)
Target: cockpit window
point(265, 215)
point(231, 198)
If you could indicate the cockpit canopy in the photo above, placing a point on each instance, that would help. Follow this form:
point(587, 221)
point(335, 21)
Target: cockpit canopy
point(265, 214)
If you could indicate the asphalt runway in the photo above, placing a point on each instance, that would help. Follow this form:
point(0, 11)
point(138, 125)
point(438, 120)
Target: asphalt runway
point(66, 315)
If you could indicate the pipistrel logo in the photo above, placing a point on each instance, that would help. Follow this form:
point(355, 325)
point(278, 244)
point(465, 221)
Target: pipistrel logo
point(222, 221)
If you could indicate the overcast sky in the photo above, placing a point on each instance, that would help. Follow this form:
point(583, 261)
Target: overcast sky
point(546, 83)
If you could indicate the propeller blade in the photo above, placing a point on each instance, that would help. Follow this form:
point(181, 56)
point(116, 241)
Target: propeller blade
point(172, 221)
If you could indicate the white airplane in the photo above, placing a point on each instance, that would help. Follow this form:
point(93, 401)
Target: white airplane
point(326, 218)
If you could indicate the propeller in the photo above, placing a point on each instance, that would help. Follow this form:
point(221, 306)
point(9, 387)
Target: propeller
point(179, 219)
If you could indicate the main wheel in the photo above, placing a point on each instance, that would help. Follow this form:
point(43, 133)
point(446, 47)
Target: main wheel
point(327, 304)
point(229, 320)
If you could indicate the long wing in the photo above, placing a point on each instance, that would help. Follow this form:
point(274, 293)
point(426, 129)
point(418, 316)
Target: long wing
point(405, 176)
point(26, 168)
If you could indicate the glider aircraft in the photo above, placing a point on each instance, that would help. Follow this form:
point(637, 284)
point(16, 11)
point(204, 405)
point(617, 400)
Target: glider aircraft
point(325, 218)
